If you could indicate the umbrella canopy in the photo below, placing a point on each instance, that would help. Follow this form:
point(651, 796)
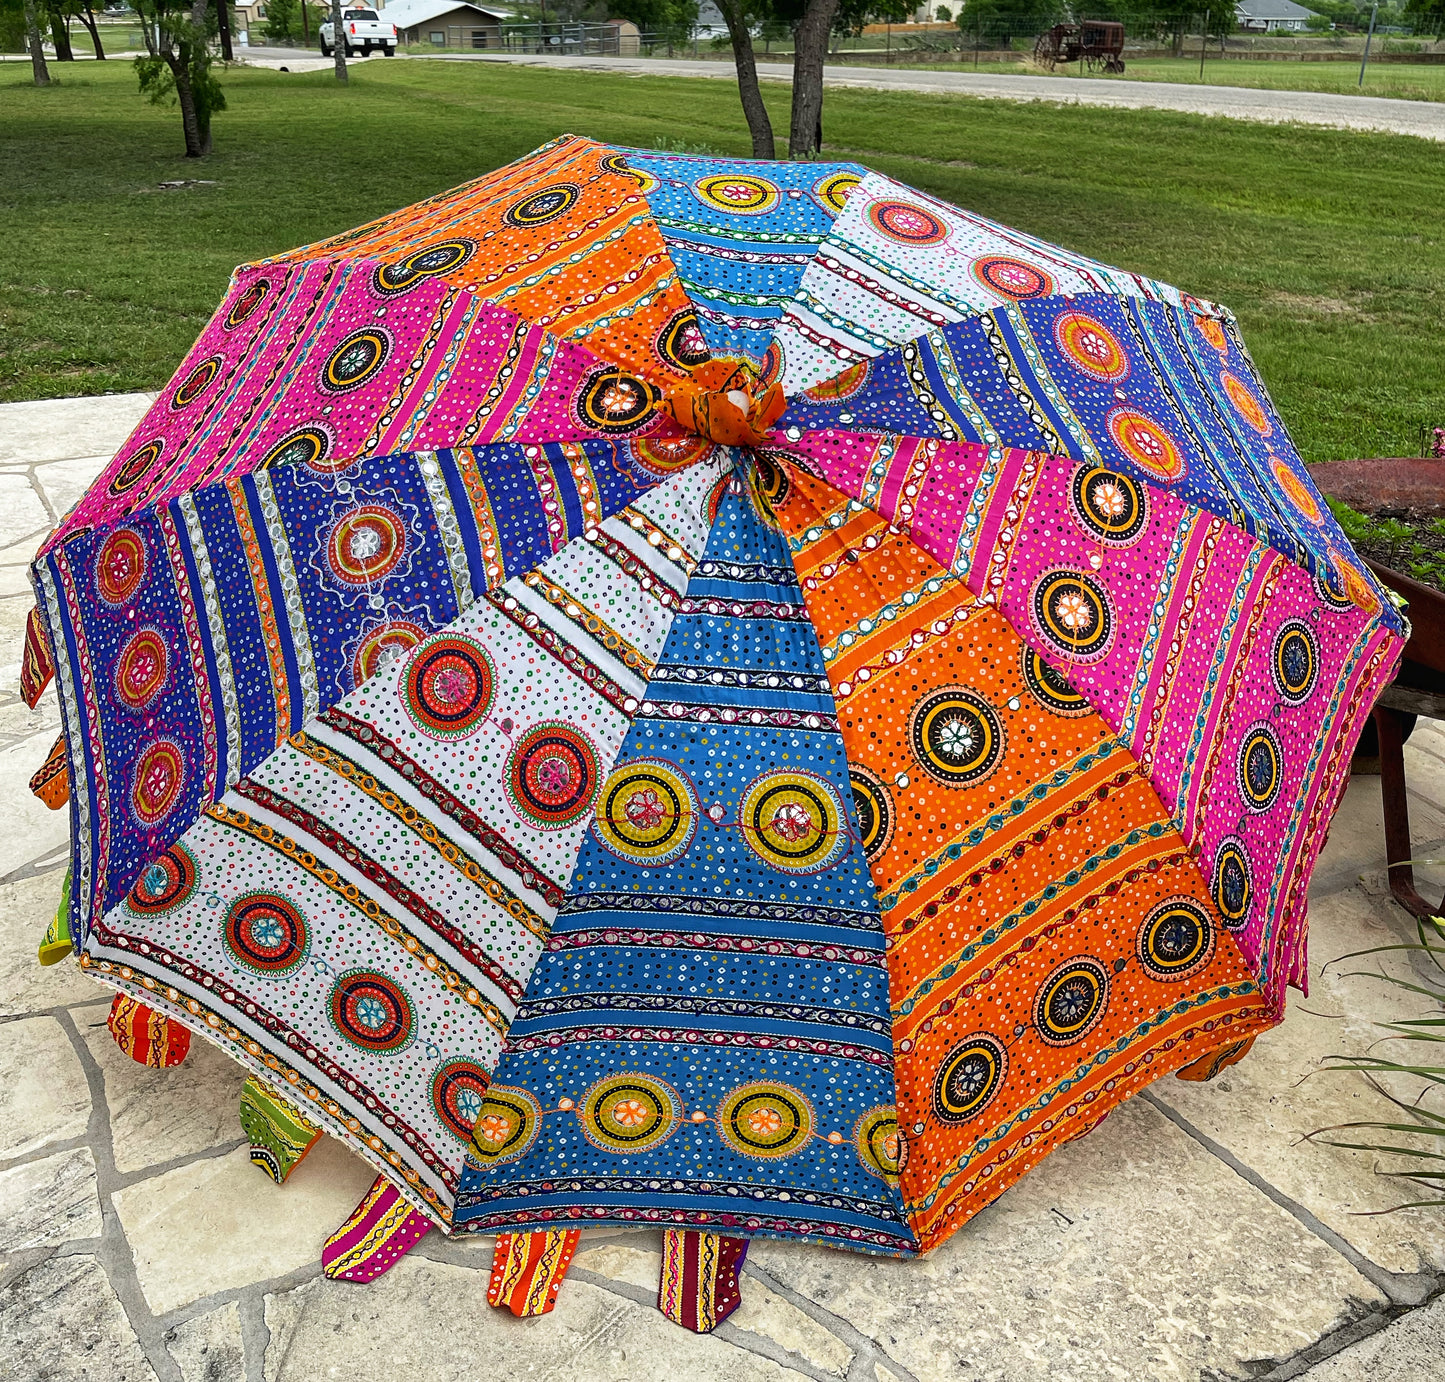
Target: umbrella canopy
point(626, 662)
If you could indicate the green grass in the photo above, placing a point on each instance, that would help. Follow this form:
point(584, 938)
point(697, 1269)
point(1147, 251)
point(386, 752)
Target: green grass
point(1327, 244)
point(1405, 81)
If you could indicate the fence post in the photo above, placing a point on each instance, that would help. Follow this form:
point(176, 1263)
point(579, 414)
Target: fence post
point(1374, 10)
point(1203, 43)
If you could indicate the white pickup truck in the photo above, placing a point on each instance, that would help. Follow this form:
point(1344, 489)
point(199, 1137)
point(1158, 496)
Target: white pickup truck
point(361, 31)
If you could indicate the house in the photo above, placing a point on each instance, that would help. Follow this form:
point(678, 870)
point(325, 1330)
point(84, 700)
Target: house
point(1271, 16)
point(446, 23)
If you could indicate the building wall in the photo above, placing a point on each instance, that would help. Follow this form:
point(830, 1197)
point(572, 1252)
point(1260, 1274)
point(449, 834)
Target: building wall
point(459, 28)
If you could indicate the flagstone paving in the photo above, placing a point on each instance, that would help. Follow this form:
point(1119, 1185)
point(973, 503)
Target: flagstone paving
point(1195, 1235)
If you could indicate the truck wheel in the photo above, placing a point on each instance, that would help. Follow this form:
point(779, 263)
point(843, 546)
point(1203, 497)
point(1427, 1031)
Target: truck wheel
point(390, 50)
point(325, 51)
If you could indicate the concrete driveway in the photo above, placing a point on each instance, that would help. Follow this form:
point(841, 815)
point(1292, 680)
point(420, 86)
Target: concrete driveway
point(1193, 1237)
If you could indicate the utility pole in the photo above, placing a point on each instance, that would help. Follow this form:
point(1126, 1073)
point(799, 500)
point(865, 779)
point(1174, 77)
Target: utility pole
point(338, 41)
point(1374, 10)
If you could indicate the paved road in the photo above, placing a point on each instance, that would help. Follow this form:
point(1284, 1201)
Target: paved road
point(1423, 118)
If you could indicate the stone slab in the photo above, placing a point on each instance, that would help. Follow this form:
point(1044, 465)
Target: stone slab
point(209, 1348)
point(65, 482)
point(430, 1319)
point(43, 1094)
point(25, 984)
point(770, 1316)
point(1131, 1254)
point(61, 1322)
point(49, 1202)
point(159, 1115)
point(22, 511)
point(219, 1224)
point(1412, 1349)
point(56, 429)
point(32, 830)
point(1263, 1108)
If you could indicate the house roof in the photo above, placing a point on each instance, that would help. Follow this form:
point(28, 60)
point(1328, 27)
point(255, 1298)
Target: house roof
point(407, 14)
point(1271, 9)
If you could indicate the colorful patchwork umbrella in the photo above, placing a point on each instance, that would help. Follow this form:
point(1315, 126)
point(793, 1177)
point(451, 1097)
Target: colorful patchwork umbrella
point(652, 690)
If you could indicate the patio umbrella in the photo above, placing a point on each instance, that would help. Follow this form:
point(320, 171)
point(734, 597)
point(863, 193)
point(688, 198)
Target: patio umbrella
point(739, 697)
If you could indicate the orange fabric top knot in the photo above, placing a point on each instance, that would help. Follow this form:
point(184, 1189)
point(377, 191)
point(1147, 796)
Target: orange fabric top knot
point(725, 402)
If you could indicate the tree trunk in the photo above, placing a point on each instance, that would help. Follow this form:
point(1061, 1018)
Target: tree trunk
point(60, 36)
point(810, 47)
point(202, 113)
point(223, 25)
point(88, 19)
point(38, 68)
point(755, 112)
point(305, 27)
point(338, 40)
point(179, 61)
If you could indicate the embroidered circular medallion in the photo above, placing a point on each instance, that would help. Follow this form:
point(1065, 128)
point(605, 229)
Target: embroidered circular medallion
point(957, 736)
point(765, 1119)
point(841, 386)
point(617, 163)
point(366, 544)
point(165, 884)
point(1296, 662)
point(1213, 331)
point(552, 776)
point(458, 1090)
point(421, 264)
point(629, 1113)
point(160, 776)
point(1233, 885)
point(1261, 766)
point(507, 1125)
point(873, 806)
point(647, 812)
point(251, 298)
point(793, 821)
point(681, 343)
point(1108, 504)
point(875, 1135)
point(742, 194)
point(907, 224)
point(265, 933)
point(1090, 346)
point(1012, 278)
point(141, 669)
point(308, 446)
point(372, 1012)
point(1146, 443)
point(1073, 614)
point(356, 360)
point(120, 568)
point(1296, 490)
point(1071, 1001)
point(383, 648)
point(542, 207)
point(615, 403)
point(1330, 586)
point(136, 466)
point(968, 1078)
point(1051, 688)
point(833, 190)
point(448, 686)
point(665, 456)
point(196, 383)
point(1245, 403)
point(1176, 939)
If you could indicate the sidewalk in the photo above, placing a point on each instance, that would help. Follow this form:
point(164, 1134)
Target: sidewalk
point(1191, 1238)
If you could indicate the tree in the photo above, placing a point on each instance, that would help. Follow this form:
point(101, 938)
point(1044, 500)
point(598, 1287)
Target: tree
point(738, 15)
point(38, 69)
point(1005, 20)
point(1425, 16)
point(86, 15)
point(177, 66)
point(338, 42)
point(59, 32)
point(810, 47)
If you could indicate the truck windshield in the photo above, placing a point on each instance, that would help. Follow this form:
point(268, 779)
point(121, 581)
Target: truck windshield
point(360, 14)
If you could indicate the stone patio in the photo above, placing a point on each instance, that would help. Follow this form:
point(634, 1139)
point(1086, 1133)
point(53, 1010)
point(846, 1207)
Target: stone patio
point(1193, 1236)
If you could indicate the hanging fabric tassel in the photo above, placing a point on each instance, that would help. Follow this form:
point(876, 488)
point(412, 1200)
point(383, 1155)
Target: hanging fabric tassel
point(1212, 1062)
point(36, 667)
point(57, 944)
point(51, 782)
point(527, 1269)
point(279, 1133)
point(146, 1036)
point(699, 1288)
point(382, 1229)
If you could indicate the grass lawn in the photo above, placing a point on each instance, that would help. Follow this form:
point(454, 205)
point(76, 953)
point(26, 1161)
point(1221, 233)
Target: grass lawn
point(1329, 245)
point(1406, 81)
